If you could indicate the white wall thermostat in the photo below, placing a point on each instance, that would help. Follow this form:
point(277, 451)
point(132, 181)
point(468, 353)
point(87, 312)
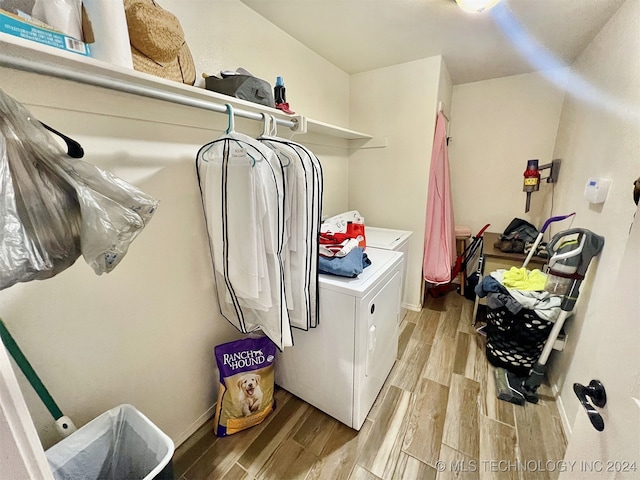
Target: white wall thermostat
point(597, 189)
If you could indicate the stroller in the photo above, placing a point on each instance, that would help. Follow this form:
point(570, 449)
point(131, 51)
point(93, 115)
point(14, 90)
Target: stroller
point(466, 263)
point(520, 340)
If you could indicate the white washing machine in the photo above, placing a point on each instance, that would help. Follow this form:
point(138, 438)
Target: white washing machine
point(398, 241)
point(340, 366)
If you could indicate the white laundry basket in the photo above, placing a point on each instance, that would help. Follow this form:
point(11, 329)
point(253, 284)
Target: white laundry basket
point(119, 444)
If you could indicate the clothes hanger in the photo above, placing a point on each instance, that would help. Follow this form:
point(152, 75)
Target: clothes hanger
point(285, 155)
point(231, 121)
point(266, 122)
point(231, 129)
point(74, 149)
point(269, 130)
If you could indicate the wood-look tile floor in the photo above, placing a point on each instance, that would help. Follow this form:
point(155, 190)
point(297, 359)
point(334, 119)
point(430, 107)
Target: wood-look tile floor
point(437, 417)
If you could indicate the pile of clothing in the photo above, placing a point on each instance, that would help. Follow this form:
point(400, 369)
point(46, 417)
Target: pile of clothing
point(520, 288)
point(520, 317)
point(342, 245)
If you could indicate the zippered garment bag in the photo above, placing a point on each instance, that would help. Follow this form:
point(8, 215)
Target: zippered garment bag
point(243, 201)
point(303, 178)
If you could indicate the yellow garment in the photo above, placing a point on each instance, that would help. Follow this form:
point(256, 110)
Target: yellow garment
point(522, 279)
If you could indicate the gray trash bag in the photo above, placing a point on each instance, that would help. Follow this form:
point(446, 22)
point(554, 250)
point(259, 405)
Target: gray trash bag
point(54, 208)
point(120, 444)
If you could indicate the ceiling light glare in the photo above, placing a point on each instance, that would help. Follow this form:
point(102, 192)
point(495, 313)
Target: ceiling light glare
point(476, 6)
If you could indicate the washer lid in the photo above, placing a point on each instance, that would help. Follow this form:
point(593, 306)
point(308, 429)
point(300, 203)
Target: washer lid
point(386, 238)
point(382, 261)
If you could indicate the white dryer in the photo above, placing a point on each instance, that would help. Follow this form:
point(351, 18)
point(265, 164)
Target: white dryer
point(340, 366)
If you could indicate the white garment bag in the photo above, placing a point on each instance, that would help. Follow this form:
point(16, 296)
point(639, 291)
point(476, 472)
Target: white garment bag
point(303, 204)
point(262, 202)
point(243, 200)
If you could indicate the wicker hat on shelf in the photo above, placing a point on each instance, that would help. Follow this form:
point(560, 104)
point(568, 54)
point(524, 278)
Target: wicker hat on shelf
point(157, 40)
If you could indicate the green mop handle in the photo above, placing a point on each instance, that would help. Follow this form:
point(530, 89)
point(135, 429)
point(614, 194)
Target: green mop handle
point(29, 372)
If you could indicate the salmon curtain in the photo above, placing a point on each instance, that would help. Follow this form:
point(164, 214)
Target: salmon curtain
point(439, 233)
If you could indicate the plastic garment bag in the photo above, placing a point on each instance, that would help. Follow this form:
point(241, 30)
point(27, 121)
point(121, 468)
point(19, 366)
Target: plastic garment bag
point(242, 189)
point(54, 208)
point(303, 176)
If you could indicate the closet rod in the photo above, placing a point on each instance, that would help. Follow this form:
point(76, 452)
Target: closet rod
point(122, 86)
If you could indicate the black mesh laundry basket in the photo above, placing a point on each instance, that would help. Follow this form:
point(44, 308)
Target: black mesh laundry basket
point(515, 341)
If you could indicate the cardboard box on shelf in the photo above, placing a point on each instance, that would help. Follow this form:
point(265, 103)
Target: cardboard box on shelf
point(36, 31)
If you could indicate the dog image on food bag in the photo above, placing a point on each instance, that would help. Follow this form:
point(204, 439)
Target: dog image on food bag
point(250, 395)
point(245, 395)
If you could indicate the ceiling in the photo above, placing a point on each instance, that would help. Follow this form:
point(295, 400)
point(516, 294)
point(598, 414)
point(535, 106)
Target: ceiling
point(362, 35)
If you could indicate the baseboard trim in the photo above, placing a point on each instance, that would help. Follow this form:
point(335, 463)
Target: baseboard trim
point(413, 308)
point(193, 428)
point(566, 425)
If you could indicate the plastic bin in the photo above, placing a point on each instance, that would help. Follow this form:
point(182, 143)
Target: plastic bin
point(119, 444)
point(515, 342)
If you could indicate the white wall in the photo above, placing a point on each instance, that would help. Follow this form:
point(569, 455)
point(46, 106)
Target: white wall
point(226, 34)
point(599, 140)
point(388, 186)
point(229, 35)
point(144, 334)
point(496, 126)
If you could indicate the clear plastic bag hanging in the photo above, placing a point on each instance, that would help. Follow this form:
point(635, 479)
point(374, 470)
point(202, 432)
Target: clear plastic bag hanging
point(54, 208)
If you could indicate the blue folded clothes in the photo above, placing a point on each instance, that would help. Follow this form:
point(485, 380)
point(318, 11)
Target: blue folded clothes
point(351, 265)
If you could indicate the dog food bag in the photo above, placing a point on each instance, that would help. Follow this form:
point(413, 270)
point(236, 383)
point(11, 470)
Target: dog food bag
point(245, 397)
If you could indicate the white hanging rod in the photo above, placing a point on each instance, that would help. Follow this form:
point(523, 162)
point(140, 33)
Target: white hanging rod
point(144, 91)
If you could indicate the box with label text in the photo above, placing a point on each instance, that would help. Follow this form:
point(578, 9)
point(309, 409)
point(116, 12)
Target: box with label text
point(20, 27)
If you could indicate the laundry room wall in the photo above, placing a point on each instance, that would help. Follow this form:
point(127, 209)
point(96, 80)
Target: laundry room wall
point(388, 185)
point(496, 126)
point(226, 34)
point(144, 334)
point(598, 136)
